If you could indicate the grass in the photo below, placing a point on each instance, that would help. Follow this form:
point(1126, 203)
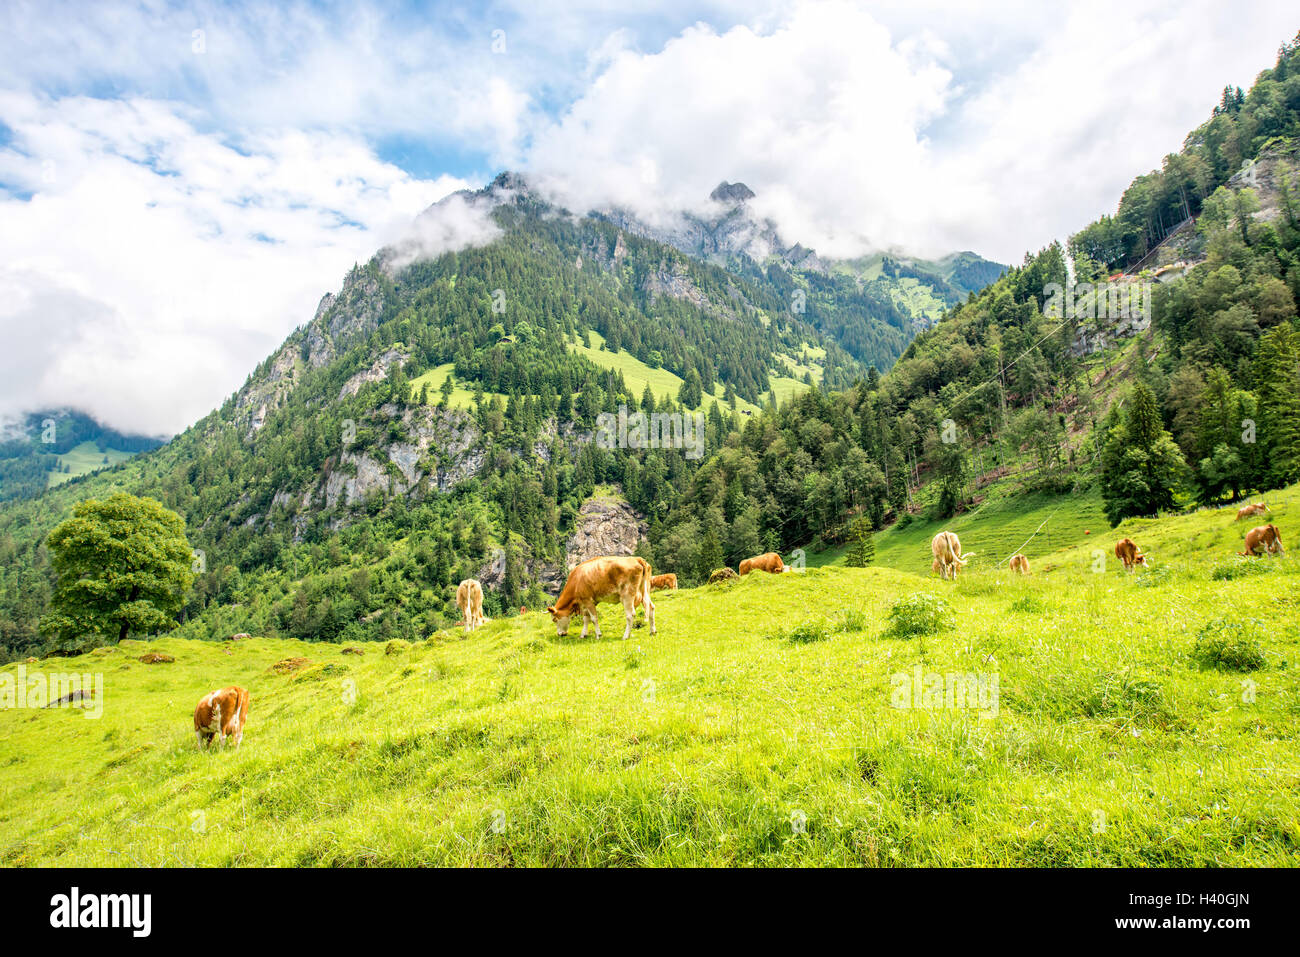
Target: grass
point(1111, 740)
point(1004, 523)
point(460, 398)
point(85, 458)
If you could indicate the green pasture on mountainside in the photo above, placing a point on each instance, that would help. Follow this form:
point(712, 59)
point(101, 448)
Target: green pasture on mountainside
point(1142, 719)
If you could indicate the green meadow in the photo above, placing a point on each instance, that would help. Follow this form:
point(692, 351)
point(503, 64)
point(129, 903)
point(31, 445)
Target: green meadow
point(1145, 719)
point(84, 458)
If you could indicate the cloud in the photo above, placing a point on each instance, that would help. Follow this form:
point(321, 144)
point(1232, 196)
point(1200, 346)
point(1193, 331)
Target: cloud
point(148, 267)
point(457, 222)
point(905, 129)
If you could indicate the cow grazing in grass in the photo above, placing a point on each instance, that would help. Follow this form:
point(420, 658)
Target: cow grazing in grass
point(221, 714)
point(668, 581)
point(767, 562)
point(469, 599)
point(1019, 563)
point(1265, 537)
point(609, 579)
point(948, 557)
point(1250, 511)
point(1126, 551)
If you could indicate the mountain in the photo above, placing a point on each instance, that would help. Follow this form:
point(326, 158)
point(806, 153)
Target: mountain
point(448, 400)
point(437, 418)
point(871, 305)
point(51, 446)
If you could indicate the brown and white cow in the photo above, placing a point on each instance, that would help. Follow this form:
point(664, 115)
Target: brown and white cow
point(767, 562)
point(668, 581)
point(1019, 563)
point(1266, 537)
point(469, 599)
point(221, 714)
point(607, 579)
point(1251, 510)
point(1126, 551)
point(948, 557)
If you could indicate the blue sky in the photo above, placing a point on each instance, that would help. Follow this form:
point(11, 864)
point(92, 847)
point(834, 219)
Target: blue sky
point(180, 183)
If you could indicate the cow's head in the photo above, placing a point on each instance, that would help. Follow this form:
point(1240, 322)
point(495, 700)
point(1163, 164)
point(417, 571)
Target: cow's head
point(1140, 559)
point(561, 620)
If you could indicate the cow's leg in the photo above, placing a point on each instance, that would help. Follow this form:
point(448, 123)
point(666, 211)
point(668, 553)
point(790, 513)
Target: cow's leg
point(629, 612)
point(650, 615)
point(199, 742)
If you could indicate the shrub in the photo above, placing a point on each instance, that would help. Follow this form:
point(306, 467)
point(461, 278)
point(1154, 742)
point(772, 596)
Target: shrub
point(806, 632)
point(1231, 644)
point(1028, 605)
point(921, 614)
point(851, 619)
point(1239, 567)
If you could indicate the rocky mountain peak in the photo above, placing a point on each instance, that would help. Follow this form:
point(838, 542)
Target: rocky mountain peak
point(734, 193)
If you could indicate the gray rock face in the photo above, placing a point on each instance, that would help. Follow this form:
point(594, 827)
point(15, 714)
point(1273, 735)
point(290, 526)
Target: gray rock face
point(355, 311)
point(726, 192)
point(605, 526)
point(376, 373)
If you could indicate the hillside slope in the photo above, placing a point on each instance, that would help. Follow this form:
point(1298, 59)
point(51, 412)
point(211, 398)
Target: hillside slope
point(725, 739)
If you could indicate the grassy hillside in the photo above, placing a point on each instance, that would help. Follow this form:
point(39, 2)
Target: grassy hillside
point(731, 737)
point(638, 375)
point(84, 458)
point(1005, 523)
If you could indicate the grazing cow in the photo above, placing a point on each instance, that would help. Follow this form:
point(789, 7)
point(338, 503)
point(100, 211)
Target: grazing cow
point(1265, 537)
point(1126, 551)
point(469, 599)
point(948, 557)
point(1249, 511)
point(609, 579)
point(668, 581)
point(221, 714)
point(767, 562)
point(1019, 563)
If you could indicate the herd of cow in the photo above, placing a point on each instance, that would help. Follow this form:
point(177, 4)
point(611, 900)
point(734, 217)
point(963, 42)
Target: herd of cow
point(221, 714)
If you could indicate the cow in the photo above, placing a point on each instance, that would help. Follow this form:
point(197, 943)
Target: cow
point(606, 579)
point(1126, 551)
point(1019, 563)
point(1266, 537)
point(767, 562)
point(220, 714)
point(948, 557)
point(668, 581)
point(469, 599)
point(1249, 511)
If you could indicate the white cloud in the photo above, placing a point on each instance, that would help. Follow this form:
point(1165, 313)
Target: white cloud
point(456, 222)
point(905, 129)
point(153, 266)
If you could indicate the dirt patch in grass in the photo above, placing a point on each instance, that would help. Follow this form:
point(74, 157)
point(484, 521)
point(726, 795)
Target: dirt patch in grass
point(287, 666)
